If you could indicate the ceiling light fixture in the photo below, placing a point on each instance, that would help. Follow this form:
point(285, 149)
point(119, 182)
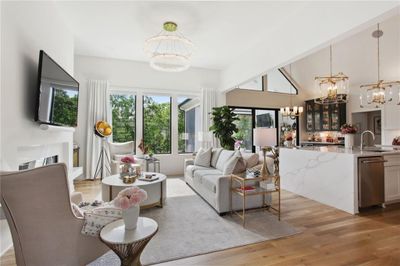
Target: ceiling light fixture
point(381, 92)
point(333, 88)
point(291, 111)
point(169, 50)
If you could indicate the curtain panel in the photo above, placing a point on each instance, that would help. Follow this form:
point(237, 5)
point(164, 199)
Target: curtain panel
point(97, 110)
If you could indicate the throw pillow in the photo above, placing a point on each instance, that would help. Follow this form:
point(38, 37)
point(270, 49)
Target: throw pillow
point(251, 159)
point(229, 166)
point(214, 156)
point(98, 218)
point(240, 166)
point(203, 157)
point(118, 157)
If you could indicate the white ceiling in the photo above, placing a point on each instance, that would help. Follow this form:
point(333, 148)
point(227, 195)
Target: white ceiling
point(229, 36)
point(220, 30)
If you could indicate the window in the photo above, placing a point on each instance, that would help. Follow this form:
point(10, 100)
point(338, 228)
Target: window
point(245, 127)
point(265, 118)
point(278, 82)
point(188, 124)
point(250, 118)
point(254, 84)
point(157, 124)
point(123, 112)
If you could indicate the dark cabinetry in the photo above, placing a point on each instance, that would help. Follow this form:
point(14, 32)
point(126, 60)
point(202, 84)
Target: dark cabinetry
point(324, 117)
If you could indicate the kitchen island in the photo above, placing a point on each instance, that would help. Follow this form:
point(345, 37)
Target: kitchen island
point(328, 175)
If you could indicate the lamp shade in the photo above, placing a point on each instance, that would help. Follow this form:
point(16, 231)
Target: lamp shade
point(263, 136)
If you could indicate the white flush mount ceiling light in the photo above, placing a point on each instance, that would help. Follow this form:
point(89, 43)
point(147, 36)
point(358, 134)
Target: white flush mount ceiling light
point(169, 50)
point(379, 93)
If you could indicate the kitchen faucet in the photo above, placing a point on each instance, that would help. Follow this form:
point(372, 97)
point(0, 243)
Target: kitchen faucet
point(362, 138)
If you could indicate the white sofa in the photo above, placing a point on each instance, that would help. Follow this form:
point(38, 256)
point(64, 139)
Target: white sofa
point(214, 187)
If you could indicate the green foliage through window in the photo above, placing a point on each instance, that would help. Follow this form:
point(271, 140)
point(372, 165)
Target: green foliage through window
point(123, 108)
point(157, 124)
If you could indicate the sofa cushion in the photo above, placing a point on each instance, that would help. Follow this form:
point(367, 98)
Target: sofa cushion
point(251, 159)
point(208, 179)
point(230, 164)
point(203, 157)
point(192, 168)
point(203, 172)
point(223, 158)
point(214, 156)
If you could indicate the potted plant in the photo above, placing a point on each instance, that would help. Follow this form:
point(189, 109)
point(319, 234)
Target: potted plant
point(223, 127)
point(128, 200)
point(348, 130)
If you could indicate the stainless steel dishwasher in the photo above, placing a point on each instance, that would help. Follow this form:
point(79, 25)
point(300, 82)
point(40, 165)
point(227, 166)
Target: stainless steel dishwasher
point(371, 181)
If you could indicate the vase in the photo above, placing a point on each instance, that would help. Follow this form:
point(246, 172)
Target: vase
point(130, 217)
point(349, 141)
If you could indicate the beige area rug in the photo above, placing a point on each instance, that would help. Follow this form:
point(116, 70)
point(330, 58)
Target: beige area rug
point(188, 226)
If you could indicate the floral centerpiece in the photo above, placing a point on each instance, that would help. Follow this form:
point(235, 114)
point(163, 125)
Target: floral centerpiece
point(348, 130)
point(128, 200)
point(128, 169)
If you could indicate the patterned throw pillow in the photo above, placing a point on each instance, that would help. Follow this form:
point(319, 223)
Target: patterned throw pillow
point(203, 157)
point(96, 219)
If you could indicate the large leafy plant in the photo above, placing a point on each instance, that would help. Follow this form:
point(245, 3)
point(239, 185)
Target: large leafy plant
point(223, 127)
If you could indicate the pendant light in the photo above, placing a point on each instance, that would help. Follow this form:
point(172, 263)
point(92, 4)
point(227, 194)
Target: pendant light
point(291, 111)
point(333, 88)
point(169, 51)
point(380, 93)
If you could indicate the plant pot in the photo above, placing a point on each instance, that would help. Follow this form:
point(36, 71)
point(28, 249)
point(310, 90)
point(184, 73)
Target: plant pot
point(349, 141)
point(130, 217)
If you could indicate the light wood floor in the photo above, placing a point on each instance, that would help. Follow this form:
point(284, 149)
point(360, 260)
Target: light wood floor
point(330, 237)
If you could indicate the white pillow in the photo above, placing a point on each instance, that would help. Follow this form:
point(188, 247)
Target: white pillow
point(203, 157)
point(96, 219)
point(229, 166)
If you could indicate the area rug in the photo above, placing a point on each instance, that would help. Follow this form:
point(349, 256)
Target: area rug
point(188, 226)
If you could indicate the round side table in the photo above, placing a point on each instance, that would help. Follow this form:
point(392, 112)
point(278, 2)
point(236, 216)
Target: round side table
point(129, 244)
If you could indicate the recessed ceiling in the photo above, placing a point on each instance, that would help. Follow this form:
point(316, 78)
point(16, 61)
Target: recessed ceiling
point(221, 31)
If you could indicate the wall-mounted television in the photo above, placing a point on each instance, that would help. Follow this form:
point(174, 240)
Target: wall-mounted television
point(57, 94)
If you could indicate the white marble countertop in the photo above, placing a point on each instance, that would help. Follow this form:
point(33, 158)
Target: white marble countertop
point(355, 151)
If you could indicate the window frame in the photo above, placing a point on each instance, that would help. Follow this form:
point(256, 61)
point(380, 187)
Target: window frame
point(177, 105)
point(276, 117)
point(133, 93)
point(170, 118)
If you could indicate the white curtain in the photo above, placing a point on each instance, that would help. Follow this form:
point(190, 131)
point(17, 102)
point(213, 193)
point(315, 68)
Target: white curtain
point(209, 100)
point(97, 110)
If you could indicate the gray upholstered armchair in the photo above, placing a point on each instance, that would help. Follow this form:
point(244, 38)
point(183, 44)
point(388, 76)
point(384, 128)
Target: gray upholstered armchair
point(44, 230)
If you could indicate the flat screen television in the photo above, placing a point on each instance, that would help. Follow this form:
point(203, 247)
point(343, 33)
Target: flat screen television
point(57, 94)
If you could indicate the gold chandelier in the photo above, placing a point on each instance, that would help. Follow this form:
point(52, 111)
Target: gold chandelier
point(379, 93)
point(333, 88)
point(291, 111)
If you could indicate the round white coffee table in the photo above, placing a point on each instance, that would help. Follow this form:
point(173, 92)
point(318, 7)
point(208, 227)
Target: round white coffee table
point(128, 244)
point(156, 190)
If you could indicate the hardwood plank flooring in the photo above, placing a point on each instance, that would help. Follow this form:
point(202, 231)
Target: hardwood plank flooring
point(330, 237)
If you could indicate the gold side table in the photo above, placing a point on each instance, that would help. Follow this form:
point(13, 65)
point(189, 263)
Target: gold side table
point(240, 190)
point(129, 244)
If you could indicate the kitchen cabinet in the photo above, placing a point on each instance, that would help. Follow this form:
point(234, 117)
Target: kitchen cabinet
point(324, 117)
point(391, 116)
point(392, 178)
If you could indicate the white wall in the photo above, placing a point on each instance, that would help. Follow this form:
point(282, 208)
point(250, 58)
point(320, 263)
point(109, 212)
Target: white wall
point(356, 56)
point(26, 28)
point(140, 77)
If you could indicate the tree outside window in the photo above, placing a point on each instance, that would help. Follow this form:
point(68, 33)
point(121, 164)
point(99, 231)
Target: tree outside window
point(188, 124)
point(123, 111)
point(157, 124)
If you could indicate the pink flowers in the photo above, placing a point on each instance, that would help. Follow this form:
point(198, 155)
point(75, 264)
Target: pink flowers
point(238, 144)
point(128, 159)
point(129, 197)
point(348, 129)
